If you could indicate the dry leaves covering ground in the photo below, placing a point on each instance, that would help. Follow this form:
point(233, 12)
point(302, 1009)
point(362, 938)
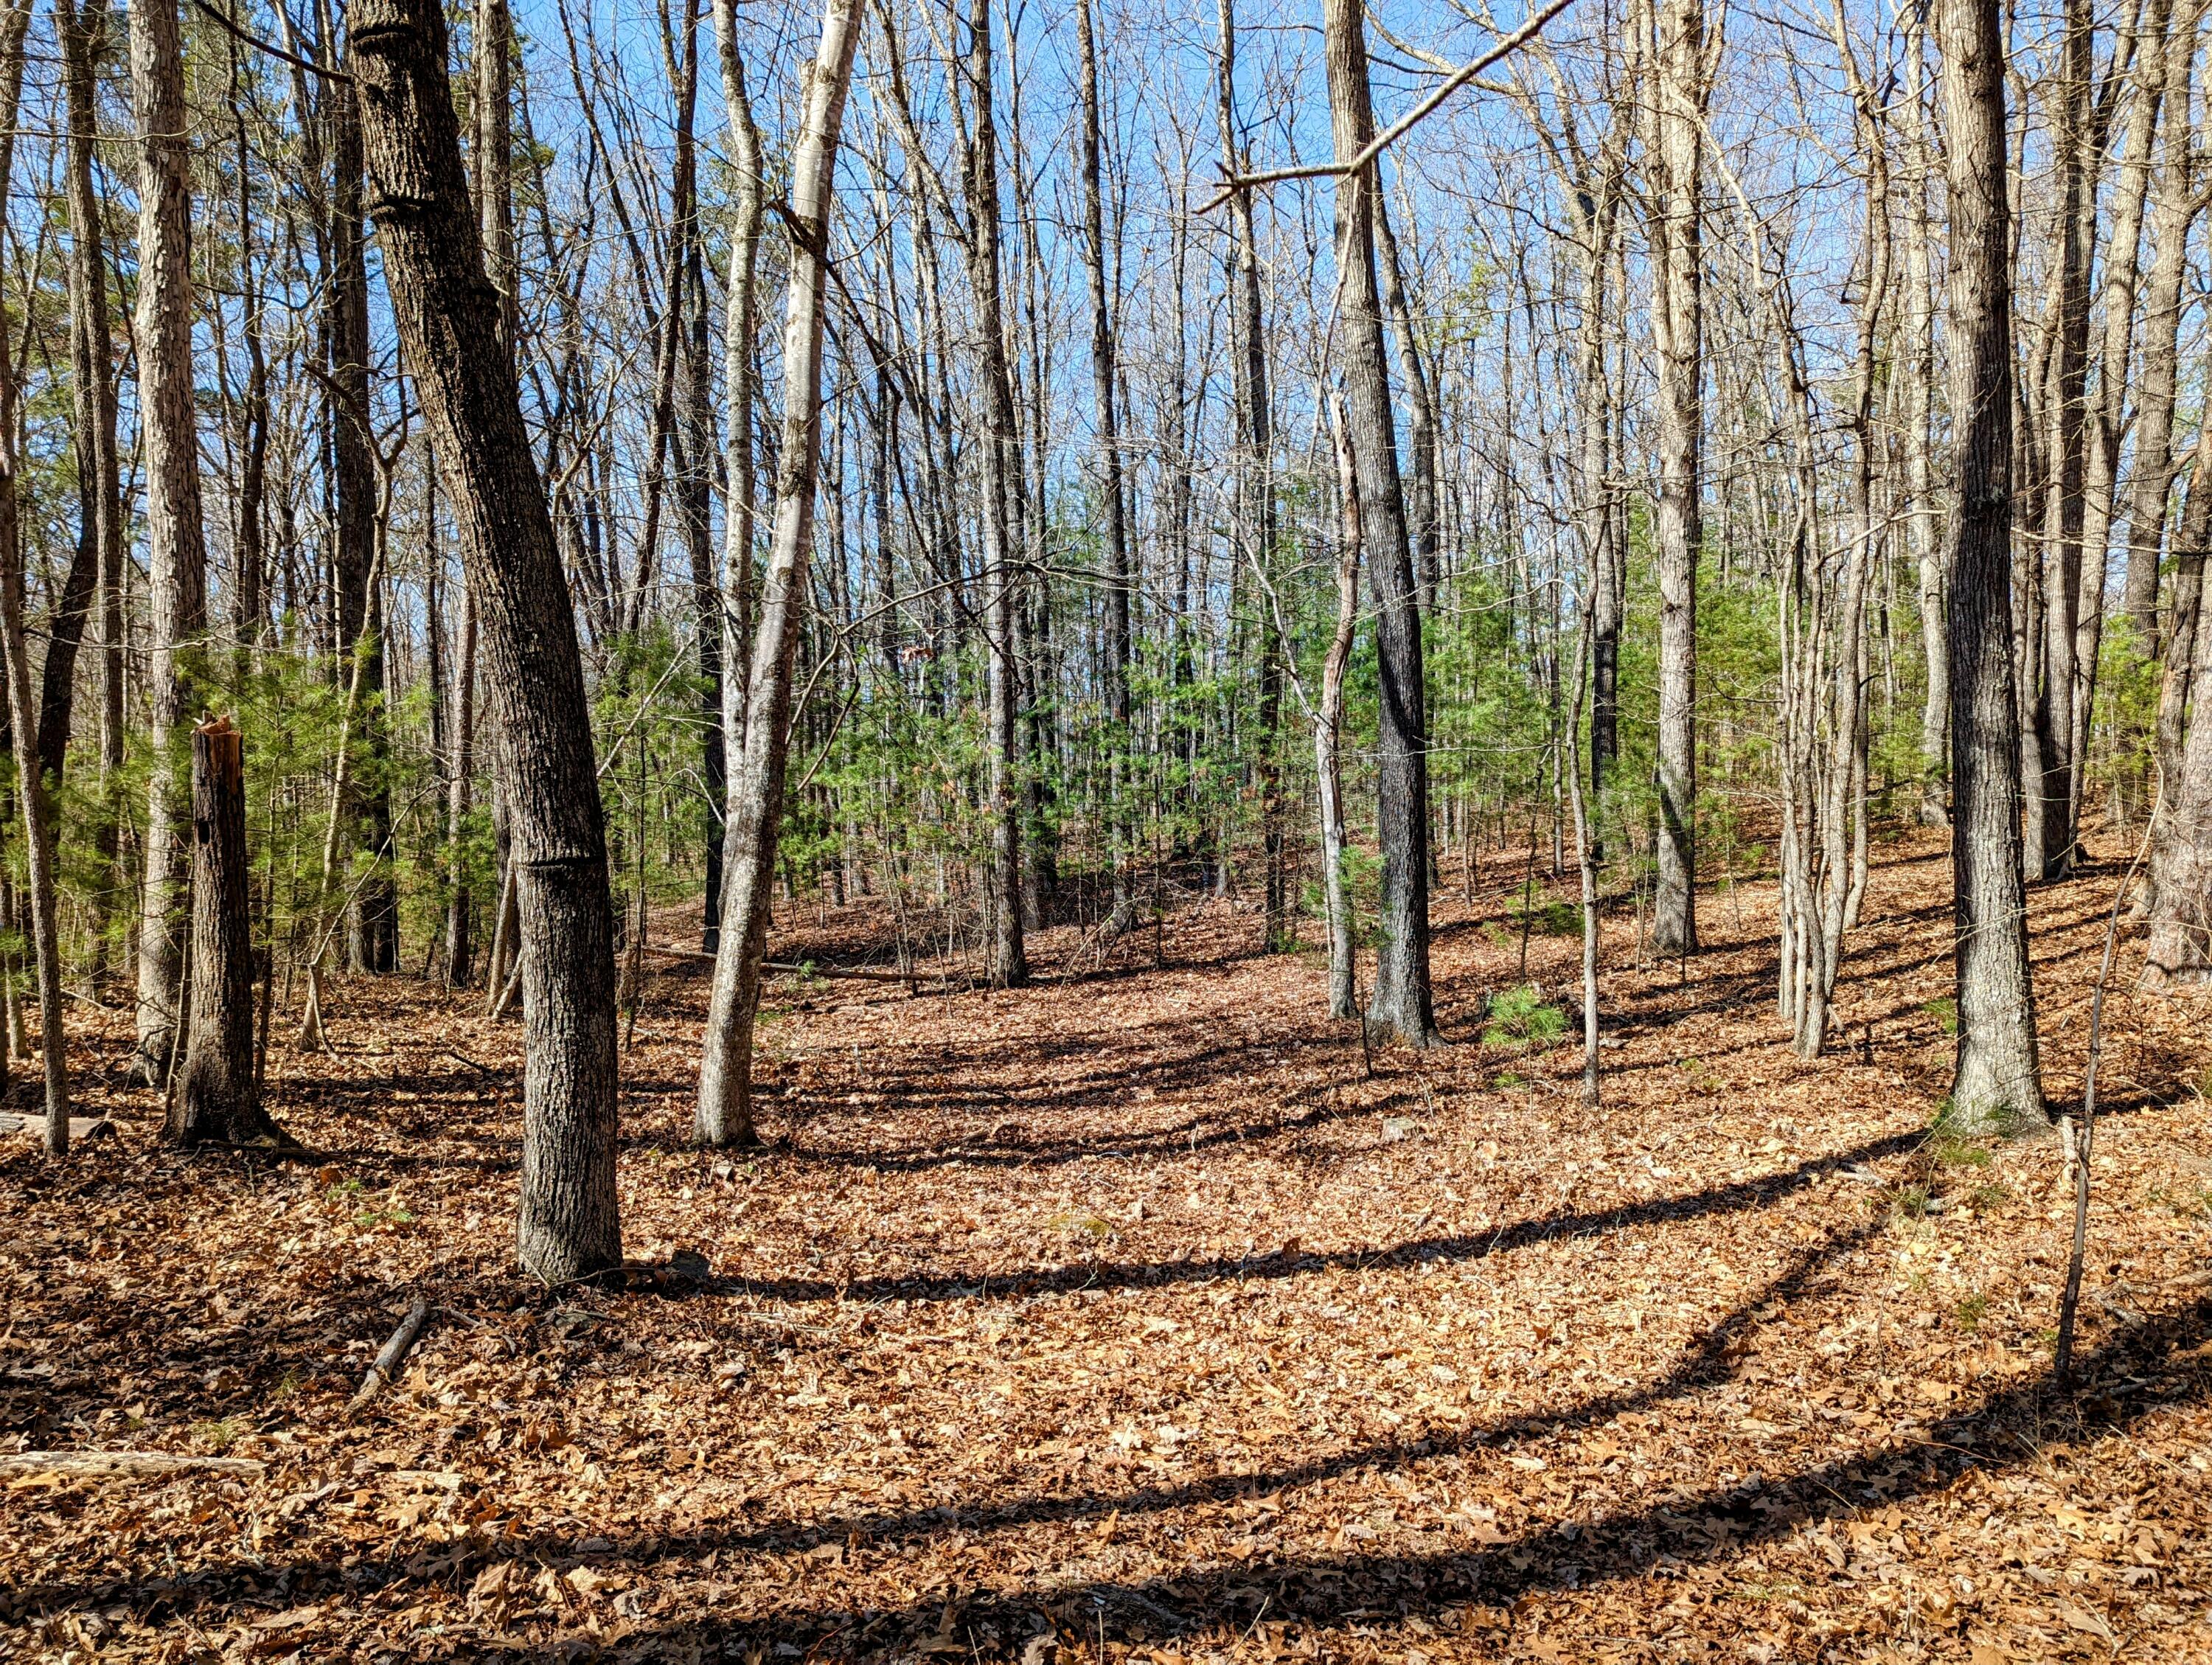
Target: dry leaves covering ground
point(1125, 1319)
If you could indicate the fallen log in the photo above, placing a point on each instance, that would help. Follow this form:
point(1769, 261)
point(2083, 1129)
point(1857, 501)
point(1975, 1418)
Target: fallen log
point(109, 1465)
point(912, 980)
point(394, 1355)
point(81, 1126)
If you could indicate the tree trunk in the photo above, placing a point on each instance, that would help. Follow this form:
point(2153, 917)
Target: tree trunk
point(756, 783)
point(1678, 53)
point(176, 545)
point(1255, 493)
point(373, 913)
point(2106, 417)
point(31, 789)
point(1401, 1000)
point(1328, 724)
point(1998, 1081)
point(460, 790)
point(1000, 448)
point(447, 314)
point(740, 376)
point(217, 1100)
point(92, 388)
point(1105, 381)
point(1420, 406)
point(1919, 354)
point(2177, 206)
point(2179, 952)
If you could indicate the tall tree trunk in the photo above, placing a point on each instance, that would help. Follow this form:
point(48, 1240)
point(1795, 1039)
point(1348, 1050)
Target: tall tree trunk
point(2048, 851)
point(460, 781)
point(2176, 206)
point(373, 915)
point(1919, 354)
point(1420, 406)
point(740, 378)
point(1001, 446)
point(2106, 417)
point(1104, 379)
point(1681, 84)
point(447, 314)
point(1255, 490)
point(1401, 1000)
point(92, 388)
point(31, 789)
point(1999, 1082)
point(176, 542)
point(756, 783)
point(1328, 724)
point(2178, 880)
point(1608, 561)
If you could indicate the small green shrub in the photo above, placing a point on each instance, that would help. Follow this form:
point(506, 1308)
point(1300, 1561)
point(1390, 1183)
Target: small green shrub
point(1550, 918)
point(1520, 1016)
point(1945, 1010)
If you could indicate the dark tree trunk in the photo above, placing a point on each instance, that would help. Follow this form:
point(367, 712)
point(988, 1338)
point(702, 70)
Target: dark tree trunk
point(1255, 491)
point(1001, 451)
point(447, 314)
point(1401, 1000)
point(218, 1100)
point(1104, 380)
point(1998, 1083)
point(372, 918)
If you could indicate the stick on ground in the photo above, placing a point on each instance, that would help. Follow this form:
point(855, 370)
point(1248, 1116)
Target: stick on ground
point(393, 1356)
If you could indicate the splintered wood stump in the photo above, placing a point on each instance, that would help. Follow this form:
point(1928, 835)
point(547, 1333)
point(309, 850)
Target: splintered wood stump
point(218, 1101)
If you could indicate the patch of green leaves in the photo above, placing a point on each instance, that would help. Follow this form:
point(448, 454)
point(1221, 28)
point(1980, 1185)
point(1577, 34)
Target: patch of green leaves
point(1520, 1016)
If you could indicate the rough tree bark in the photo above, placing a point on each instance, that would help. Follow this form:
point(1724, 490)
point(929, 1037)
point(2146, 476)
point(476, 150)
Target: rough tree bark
point(176, 540)
point(447, 314)
point(30, 774)
point(93, 389)
point(1997, 1083)
point(2105, 418)
point(1256, 480)
point(1401, 1000)
point(1000, 450)
point(373, 913)
point(724, 1116)
point(2176, 207)
point(218, 1098)
point(1103, 380)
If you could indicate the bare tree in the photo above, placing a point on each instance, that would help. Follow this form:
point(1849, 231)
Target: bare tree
point(756, 783)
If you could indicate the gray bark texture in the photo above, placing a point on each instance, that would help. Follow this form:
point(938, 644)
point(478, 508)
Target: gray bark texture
point(176, 540)
point(1401, 1000)
point(1998, 1083)
point(447, 314)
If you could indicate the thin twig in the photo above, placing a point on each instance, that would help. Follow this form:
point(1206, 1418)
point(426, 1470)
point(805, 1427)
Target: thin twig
point(2078, 1143)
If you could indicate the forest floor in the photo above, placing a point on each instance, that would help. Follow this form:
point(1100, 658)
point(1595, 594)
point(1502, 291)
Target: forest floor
point(1126, 1318)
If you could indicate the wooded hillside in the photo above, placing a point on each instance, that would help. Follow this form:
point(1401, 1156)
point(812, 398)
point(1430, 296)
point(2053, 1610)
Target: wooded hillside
point(851, 830)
